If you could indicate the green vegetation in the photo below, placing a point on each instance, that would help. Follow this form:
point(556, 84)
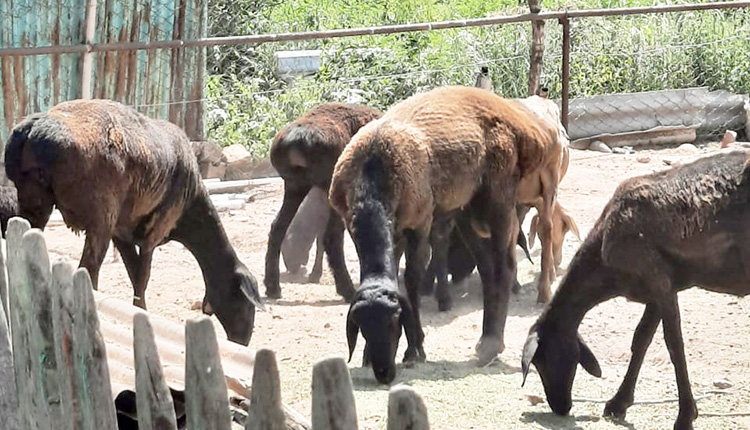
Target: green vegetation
point(249, 103)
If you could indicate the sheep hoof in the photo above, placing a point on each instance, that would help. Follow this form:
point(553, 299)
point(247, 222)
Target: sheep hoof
point(488, 348)
point(314, 278)
point(346, 293)
point(685, 419)
point(544, 296)
point(273, 293)
point(516, 287)
point(616, 408)
point(414, 355)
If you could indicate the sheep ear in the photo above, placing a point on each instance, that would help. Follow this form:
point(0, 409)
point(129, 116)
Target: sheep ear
point(571, 224)
point(587, 359)
point(352, 331)
point(529, 351)
point(250, 290)
point(532, 230)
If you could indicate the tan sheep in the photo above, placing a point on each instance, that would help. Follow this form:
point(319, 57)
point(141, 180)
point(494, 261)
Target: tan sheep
point(439, 152)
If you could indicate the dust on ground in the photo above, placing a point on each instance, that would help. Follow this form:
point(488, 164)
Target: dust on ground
point(308, 324)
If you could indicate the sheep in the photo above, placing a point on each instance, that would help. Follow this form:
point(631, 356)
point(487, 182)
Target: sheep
point(659, 234)
point(427, 157)
point(118, 175)
point(304, 153)
point(530, 188)
point(8, 206)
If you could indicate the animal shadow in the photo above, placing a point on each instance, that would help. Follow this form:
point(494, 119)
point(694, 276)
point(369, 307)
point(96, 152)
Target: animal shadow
point(550, 420)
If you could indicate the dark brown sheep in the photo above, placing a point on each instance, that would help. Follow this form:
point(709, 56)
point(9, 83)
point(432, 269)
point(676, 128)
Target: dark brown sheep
point(119, 175)
point(8, 206)
point(659, 234)
point(429, 156)
point(304, 153)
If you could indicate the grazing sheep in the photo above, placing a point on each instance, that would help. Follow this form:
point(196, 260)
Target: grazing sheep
point(304, 153)
point(659, 234)
point(8, 206)
point(429, 156)
point(119, 175)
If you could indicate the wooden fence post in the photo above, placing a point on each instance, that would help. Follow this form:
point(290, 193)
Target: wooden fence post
point(31, 413)
point(406, 409)
point(4, 289)
point(8, 398)
point(266, 411)
point(41, 326)
point(206, 400)
point(333, 405)
point(62, 288)
point(90, 369)
point(153, 399)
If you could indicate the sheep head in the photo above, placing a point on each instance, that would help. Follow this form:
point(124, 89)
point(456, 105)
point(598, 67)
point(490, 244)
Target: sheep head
point(556, 355)
point(379, 313)
point(234, 304)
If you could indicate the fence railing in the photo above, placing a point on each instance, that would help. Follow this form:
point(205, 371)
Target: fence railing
point(54, 373)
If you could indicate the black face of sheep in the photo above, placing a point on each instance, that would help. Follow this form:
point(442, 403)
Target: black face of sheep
point(556, 357)
point(378, 313)
point(235, 304)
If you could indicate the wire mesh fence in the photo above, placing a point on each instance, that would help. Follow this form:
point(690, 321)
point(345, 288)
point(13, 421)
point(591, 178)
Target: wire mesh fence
point(627, 73)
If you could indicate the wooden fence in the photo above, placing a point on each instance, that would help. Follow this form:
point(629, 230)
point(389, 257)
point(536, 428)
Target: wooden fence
point(54, 374)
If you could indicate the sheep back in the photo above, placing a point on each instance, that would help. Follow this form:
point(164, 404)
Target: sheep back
point(103, 159)
point(439, 146)
point(667, 206)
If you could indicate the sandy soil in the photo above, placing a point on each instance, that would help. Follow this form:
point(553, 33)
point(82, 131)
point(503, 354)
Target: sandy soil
point(308, 323)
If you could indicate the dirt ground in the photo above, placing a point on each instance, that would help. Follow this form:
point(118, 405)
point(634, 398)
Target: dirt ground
point(308, 324)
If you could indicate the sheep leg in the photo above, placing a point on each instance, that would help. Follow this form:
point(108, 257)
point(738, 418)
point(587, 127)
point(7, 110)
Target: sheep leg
point(673, 338)
point(94, 251)
point(138, 266)
point(427, 286)
point(317, 270)
point(417, 254)
point(644, 333)
point(497, 292)
point(333, 242)
point(293, 197)
point(521, 211)
point(547, 276)
point(440, 242)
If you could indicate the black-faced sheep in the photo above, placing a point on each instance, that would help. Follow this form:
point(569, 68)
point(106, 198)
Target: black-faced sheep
point(430, 155)
point(304, 153)
point(658, 235)
point(119, 175)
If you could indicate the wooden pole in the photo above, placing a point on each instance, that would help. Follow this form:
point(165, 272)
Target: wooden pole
point(206, 400)
point(88, 56)
point(406, 409)
point(62, 287)
point(333, 405)
point(266, 411)
point(153, 399)
point(565, 71)
point(536, 56)
point(8, 395)
point(4, 290)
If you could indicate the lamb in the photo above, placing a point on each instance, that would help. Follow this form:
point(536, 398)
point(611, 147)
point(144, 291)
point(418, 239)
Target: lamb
point(119, 175)
point(659, 234)
point(304, 153)
point(427, 157)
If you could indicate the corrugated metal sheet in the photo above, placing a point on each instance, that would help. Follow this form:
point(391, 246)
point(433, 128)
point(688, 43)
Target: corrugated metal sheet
point(157, 81)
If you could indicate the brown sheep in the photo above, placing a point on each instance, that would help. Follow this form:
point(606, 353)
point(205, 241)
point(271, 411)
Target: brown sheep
point(659, 234)
point(429, 156)
point(304, 153)
point(119, 175)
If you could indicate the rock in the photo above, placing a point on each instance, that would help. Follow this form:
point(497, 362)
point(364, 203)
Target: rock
point(600, 146)
point(729, 137)
point(534, 399)
point(196, 305)
point(580, 144)
point(211, 161)
point(239, 161)
point(643, 160)
point(687, 149)
point(623, 150)
point(722, 384)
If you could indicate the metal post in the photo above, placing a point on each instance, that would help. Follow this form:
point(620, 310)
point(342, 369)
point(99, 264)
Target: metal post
point(565, 69)
point(88, 59)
